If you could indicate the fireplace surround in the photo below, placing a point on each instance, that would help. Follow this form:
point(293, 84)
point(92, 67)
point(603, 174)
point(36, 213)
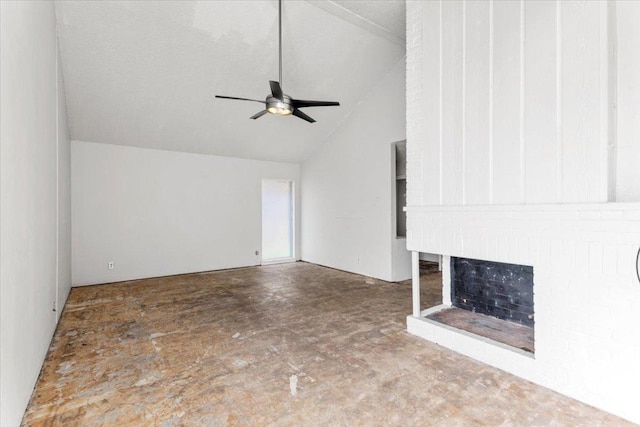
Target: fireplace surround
point(587, 342)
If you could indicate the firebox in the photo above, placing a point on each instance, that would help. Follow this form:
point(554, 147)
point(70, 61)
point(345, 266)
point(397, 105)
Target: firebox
point(501, 290)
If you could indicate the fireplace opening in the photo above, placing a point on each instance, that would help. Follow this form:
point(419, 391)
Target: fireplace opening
point(430, 281)
point(430, 278)
point(496, 289)
point(493, 300)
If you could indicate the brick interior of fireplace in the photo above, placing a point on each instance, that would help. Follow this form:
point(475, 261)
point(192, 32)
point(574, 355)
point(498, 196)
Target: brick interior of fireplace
point(493, 300)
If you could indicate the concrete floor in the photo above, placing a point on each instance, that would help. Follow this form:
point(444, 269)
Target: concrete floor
point(293, 344)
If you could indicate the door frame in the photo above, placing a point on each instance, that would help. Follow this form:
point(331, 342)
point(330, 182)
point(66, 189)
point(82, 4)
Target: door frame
point(292, 194)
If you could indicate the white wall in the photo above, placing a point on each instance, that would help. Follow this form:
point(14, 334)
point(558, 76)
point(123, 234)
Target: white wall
point(510, 106)
point(348, 184)
point(156, 213)
point(64, 198)
point(628, 101)
point(34, 157)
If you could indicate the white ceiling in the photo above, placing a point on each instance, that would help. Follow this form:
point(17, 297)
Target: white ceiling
point(387, 14)
point(144, 73)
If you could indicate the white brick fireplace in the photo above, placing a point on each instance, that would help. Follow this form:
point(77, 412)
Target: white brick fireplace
point(523, 147)
point(587, 325)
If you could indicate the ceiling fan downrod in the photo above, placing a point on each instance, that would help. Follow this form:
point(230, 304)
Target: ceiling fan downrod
point(280, 38)
point(277, 102)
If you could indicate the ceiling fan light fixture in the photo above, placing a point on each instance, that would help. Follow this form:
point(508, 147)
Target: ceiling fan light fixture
point(279, 111)
point(279, 107)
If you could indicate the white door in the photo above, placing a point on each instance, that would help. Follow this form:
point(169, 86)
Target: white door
point(277, 220)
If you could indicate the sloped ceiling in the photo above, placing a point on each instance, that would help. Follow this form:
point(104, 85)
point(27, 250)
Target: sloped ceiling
point(144, 73)
point(382, 16)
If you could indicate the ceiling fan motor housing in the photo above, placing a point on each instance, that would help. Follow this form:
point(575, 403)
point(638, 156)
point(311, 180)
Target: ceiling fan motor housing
point(280, 107)
point(277, 102)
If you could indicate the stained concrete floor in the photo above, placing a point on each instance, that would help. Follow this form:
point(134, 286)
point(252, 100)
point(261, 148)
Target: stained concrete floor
point(292, 344)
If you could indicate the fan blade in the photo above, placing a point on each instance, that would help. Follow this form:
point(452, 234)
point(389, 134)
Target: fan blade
point(258, 115)
point(239, 99)
point(303, 116)
point(300, 103)
point(276, 90)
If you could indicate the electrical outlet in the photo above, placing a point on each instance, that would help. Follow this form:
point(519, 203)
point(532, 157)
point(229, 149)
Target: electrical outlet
point(111, 265)
point(257, 252)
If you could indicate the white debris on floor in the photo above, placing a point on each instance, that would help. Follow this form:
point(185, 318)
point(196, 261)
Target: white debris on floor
point(293, 384)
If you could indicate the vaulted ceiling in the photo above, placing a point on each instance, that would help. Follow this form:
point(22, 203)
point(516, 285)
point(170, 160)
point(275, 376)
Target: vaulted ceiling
point(144, 73)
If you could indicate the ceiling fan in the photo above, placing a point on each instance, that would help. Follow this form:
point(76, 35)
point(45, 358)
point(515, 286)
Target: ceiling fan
point(278, 102)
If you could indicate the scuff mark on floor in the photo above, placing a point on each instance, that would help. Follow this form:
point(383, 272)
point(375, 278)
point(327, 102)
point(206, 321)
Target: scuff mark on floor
point(293, 367)
point(65, 368)
point(239, 363)
point(163, 334)
point(145, 381)
point(293, 384)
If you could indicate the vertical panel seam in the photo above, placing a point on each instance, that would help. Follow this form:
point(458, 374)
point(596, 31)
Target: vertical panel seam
point(604, 105)
point(523, 166)
point(440, 107)
point(423, 103)
point(612, 100)
point(422, 100)
point(491, 35)
point(464, 102)
point(559, 74)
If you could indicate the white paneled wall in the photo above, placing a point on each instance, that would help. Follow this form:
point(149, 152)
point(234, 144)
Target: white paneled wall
point(421, 87)
point(583, 100)
point(451, 113)
point(507, 178)
point(523, 121)
point(476, 103)
point(512, 102)
point(628, 101)
point(540, 146)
